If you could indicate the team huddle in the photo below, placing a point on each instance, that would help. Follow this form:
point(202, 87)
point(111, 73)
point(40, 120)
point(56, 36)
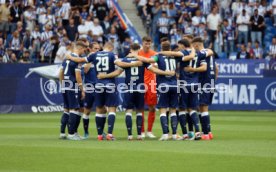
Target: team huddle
point(178, 82)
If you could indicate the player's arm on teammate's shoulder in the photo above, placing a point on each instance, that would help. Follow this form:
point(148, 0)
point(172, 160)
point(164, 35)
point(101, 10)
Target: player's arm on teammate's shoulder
point(157, 71)
point(75, 59)
point(110, 75)
point(79, 81)
point(146, 60)
point(123, 64)
point(79, 60)
point(86, 67)
point(172, 53)
point(209, 52)
point(190, 56)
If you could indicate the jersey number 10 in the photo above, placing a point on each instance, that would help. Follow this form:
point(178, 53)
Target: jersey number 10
point(170, 64)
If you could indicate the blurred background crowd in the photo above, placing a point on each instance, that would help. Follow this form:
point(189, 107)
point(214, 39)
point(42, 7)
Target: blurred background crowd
point(33, 31)
point(243, 29)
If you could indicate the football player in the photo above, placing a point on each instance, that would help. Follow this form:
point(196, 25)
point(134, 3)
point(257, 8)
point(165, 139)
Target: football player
point(207, 82)
point(70, 75)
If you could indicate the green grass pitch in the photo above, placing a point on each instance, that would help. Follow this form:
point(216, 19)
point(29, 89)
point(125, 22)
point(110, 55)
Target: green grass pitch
point(244, 141)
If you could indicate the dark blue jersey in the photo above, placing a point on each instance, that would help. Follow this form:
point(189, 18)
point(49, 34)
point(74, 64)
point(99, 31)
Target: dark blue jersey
point(207, 76)
point(90, 77)
point(165, 63)
point(69, 70)
point(135, 75)
point(104, 63)
point(191, 77)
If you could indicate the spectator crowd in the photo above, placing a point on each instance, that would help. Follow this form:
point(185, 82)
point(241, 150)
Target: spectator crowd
point(227, 26)
point(41, 31)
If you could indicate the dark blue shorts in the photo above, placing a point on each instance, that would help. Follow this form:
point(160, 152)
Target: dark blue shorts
point(71, 99)
point(167, 99)
point(89, 100)
point(106, 97)
point(188, 98)
point(206, 98)
point(134, 100)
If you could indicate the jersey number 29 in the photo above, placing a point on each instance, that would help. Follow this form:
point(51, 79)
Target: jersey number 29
point(103, 64)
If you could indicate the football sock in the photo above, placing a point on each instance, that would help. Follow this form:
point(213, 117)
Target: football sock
point(174, 122)
point(177, 115)
point(64, 121)
point(85, 120)
point(103, 122)
point(195, 120)
point(139, 123)
point(164, 123)
point(168, 116)
point(72, 122)
point(190, 123)
point(99, 123)
point(129, 123)
point(182, 121)
point(111, 121)
point(205, 117)
point(143, 122)
point(200, 120)
point(151, 118)
point(208, 122)
point(78, 119)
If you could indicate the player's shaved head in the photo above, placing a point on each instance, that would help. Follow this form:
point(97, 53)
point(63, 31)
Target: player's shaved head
point(166, 46)
point(108, 46)
point(135, 47)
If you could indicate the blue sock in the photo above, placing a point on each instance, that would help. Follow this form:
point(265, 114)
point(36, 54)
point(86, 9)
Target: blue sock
point(195, 120)
point(64, 122)
point(99, 123)
point(174, 123)
point(168, 119)
point(111, 121)
point(190, 122)
point(72, 122)
point(164, 123)
point(103, 122)
point(129, 123)
point(177, 115)
point(85, 120)
point(200, 121)
point(78, 119)
point(207, 121)
point(182, 121)
point(139, 121)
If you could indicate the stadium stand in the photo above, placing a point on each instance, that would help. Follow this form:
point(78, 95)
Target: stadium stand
point(223, 24)
point(33, 31)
